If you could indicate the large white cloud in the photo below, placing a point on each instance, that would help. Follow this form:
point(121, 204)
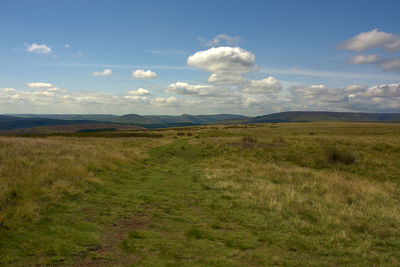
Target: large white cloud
point(144, 74)
point(106, 72)
point(223, 60)
point(375, 38)
point(265, 86)
point(39, 49)
point(140, 92)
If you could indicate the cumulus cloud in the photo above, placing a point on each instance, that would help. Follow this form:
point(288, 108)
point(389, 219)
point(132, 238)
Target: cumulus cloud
point(140, 92)
point(264, 86)
point(221, 39)
point(375, 38)
point(38, 49)
point(364, 59)
point(45, 87)
point(138, 99)
point(383, 90)
point(379, 98)
point(67, 45)
point(142, 74)
point(355, 88)
point(386, 64)
point(197, 90)
point(163, 101)
point(106, 72)
point(318, 93)
point(223, 60)
point(41, 85)
point(225, 79)
point(390, 64)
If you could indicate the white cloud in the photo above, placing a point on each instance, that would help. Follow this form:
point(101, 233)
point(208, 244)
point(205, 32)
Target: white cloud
point(142, 74)
point(138, 99)
point(331, 74)
point(221, 39)
point(355, 88)
point(197, 90)
point(106, 72)
point(162, 101)
point(264, 86)
point(39, 49)
point(383, 90)
point(41, 85)
point(390, 64)
point(226, 79)
point(386, 64)
point(223, 60)
point(140, 92)
point(67, 45)
point(48, 87)
point(375, 38)
point(364, 59)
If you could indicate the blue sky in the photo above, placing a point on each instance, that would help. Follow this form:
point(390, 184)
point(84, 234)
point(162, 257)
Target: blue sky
point(266, 56)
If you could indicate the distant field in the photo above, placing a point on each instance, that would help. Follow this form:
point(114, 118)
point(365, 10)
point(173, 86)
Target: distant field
point(293, 194)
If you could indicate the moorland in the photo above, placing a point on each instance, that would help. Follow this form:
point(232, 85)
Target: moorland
point(294, 194)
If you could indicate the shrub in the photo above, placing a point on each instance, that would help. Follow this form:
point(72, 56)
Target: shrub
point(189, 134)
point(180, 133)
point(343, 156)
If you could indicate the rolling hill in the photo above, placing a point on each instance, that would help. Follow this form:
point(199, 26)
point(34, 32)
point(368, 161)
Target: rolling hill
point(76, 122)
point(312, 116)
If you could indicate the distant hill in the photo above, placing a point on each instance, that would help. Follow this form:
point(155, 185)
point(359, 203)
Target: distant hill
point(182, 119)
point(91, 117)
point(4, 118)
point(311, 116)
point(77, 122)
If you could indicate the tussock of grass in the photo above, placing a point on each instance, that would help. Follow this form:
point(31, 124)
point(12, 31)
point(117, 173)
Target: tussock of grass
point(334, 154)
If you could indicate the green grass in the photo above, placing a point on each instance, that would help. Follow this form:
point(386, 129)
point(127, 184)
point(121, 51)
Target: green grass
point(261, 195)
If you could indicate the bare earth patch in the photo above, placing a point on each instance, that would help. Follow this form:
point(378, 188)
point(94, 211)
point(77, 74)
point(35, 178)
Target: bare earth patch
point(109, 252)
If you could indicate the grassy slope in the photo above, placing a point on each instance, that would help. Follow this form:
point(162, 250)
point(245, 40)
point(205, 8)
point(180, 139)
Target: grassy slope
point(217, 199)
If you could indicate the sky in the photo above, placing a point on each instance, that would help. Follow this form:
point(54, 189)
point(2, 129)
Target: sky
point(198, 57)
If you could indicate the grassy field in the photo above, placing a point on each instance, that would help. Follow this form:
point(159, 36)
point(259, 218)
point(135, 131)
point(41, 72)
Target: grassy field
point(297, 194)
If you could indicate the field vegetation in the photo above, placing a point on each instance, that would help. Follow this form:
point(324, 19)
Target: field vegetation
point(294, 194)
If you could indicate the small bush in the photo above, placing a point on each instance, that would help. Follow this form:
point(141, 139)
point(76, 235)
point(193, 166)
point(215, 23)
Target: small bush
point(180, 133)
point(189, 134)
point(336, 155)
